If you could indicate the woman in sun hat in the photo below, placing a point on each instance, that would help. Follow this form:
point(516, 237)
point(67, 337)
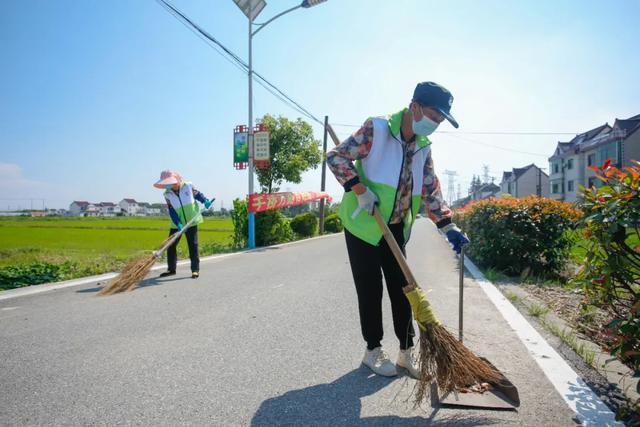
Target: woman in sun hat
point(181, 199)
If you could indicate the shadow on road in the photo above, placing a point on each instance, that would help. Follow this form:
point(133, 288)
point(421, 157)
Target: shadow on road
point(338, 404)
point(152, 281)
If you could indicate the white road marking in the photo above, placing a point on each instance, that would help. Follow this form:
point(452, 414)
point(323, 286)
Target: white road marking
point(36, 289)
point(576, 393)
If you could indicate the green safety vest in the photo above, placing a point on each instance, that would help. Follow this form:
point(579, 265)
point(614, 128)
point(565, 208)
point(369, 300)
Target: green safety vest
point(184, 203)
point(380, 172)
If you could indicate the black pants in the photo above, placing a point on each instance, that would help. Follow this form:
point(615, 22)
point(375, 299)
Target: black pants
point(192, 242)
point(368, 262)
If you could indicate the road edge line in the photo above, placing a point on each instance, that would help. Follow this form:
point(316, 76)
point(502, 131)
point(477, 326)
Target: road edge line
point(588, 407)
point(46, 287)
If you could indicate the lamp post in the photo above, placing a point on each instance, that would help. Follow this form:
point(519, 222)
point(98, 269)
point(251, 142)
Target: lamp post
point(251, 9)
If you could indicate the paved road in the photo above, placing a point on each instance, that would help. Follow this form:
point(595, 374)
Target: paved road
point(262, 338)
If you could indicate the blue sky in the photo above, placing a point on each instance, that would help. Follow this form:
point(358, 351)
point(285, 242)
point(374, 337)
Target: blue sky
point(98, 97)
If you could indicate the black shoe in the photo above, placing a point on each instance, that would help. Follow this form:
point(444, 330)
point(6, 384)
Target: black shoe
point(195, 274)
point(168, 273)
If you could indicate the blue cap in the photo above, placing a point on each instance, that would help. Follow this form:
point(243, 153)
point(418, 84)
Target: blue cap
point(430, 94)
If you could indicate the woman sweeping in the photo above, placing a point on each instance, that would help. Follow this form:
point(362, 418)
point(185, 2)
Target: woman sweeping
point(393, 169)
point(181, 200)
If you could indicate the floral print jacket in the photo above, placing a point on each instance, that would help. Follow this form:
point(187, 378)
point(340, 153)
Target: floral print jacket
point(357, 146)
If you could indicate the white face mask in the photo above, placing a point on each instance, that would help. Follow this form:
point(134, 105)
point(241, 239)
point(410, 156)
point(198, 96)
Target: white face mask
point(424, 127)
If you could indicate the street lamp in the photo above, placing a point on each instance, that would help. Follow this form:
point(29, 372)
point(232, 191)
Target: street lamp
point(251, 9)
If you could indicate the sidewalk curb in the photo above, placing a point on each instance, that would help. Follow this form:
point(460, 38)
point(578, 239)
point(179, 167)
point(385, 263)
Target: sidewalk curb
point(606, 365)
point(46, 287)
point(587, 406)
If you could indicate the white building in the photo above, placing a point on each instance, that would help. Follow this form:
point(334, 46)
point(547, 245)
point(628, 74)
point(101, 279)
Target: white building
point(130, 207)
point(569, 165)
point(526, 181)
point(108, 209)
point(79, 207)
point(149, 209)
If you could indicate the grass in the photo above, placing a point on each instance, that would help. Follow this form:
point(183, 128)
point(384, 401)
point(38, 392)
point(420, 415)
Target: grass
point(494, 275)
point(537, 310)
point(511, 296)
point(86, 246)
point(570, 338)
point(580, 245)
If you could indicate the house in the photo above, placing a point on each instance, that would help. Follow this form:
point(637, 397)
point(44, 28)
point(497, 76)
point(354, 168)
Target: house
point(162, 208)
point(108, 209)
point(148, 209)
point(485, 191)
point(569, 165)
point(525, 181)
point(130, 207)
point(79, 207)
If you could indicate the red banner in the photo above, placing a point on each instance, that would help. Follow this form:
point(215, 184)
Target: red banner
point(264, 202)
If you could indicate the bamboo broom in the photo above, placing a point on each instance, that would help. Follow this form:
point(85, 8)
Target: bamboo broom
point(137, 269)
point(441, 356)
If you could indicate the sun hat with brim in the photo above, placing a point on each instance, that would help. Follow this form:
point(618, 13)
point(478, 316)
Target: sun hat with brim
point(168, 178)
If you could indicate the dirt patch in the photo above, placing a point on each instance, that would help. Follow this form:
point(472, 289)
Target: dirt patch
point(572, 306)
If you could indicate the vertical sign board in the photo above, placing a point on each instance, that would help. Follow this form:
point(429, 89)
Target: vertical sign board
point(261, 153)
point(240, 147)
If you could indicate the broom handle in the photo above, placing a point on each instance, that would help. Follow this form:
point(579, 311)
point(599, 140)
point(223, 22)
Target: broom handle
point(386, 233)
point(397, 252)
point(174, 237)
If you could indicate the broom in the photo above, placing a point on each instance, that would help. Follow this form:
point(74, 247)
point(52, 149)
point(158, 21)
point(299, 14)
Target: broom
point(137, 269)
point(441, 356)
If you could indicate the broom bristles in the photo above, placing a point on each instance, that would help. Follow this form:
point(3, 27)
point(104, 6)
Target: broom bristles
point(447, 361)
point(132, 274)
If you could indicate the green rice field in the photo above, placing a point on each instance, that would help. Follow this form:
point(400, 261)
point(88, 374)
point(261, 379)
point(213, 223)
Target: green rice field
point(76, 247)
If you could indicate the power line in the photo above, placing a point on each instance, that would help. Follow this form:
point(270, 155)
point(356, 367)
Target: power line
point(284, 98)
point(478, 132)
point(203, 34)
point(473, 141)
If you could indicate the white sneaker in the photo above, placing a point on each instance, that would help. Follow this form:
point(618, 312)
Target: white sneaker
point(407, 361)
point(378, 361)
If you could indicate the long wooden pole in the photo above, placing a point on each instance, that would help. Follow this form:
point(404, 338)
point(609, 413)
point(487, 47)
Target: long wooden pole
point(386, 233)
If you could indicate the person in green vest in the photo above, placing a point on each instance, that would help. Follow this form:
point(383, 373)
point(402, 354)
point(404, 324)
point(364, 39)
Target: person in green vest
point(393, 169)
point(181, 200)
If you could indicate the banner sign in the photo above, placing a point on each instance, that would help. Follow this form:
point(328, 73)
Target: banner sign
point(261, 153)
point(240, 147)
point(264, 201)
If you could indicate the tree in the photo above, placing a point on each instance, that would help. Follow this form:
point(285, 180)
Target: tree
point(476, 183)
point(293, 151)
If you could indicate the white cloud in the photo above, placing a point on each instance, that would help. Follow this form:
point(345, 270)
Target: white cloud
point(13, 184)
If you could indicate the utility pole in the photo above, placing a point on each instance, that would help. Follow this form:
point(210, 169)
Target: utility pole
point(324, 172)
point(451, 185)
point(251, 10)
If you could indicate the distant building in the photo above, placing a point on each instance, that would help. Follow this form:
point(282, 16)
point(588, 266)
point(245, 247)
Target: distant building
point(485, 191)
point(569, 165)
point(148, 209)
point(130, 207)
point(161, 208)
point(79, 208)
point(108, 209)
point(525, 181)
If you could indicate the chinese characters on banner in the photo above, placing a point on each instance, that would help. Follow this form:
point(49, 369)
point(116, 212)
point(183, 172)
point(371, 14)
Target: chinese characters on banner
point(261, 153)
point(265, 202)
